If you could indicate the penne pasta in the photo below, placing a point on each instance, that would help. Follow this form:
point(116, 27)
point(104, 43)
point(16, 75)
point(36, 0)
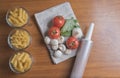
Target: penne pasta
point(20, 39)
point(18, 63)
point(15, 63)
point(21, 56)
point(16, 10)
point(13, 59)
point(21, 20)
point(18, 17)
point(24, 58)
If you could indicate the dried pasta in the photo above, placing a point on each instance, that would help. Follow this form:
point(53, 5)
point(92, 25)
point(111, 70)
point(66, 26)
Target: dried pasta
point(18, 64)
point(20, 39)
point(18, 17)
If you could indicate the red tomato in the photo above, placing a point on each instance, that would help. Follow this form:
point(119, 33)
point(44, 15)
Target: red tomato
point(54, 32)
point(58, 21)
point(72, 43)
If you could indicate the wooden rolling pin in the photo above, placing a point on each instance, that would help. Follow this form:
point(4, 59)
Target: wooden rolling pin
point(82, 55)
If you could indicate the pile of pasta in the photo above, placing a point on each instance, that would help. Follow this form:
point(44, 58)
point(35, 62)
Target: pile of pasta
point(18, 17)
point(21, 61)
point(20, 39)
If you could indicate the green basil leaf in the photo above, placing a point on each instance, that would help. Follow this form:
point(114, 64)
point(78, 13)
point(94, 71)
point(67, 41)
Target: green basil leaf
point(66, 30)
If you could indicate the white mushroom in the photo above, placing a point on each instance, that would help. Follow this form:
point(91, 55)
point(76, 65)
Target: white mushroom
point(54, 47)
point(47, 40)
point(58, 54)
point(61, 39)
point(68, 51)
point(54, 42)
point(76, 32)
point(62, 47)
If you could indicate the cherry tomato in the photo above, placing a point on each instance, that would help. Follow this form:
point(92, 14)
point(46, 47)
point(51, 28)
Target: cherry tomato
point(72, 43)
point(58, 21)
point(54, 32)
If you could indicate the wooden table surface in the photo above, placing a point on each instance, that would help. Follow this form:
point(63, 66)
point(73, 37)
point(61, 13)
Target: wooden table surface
point(104, 60)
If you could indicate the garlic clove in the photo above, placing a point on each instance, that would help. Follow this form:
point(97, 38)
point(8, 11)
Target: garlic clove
point(76, 32)
point(58, 54)
point(61, 39)
point(47, 40)
point(54, 42)
point(54, 47)
point(68, 51)
point(62, 47)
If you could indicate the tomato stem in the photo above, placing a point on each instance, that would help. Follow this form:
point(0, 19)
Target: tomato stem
point(72, 43)
point(54, 32)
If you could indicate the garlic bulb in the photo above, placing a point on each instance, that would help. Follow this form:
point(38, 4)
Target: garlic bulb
point(68, 51)
point(61, 39)
point(54, 42)
point(47, 40)
point(76, 32)
point(62, 47)
point(55, 47)
point(58, 54)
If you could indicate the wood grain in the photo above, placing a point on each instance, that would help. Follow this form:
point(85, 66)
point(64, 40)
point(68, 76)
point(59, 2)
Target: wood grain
point(104, 60)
